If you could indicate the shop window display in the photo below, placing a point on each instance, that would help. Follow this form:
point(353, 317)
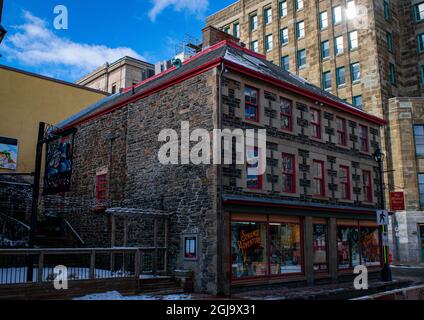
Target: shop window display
point(370, 246)
point(348, 253)
point(286, 250)
point(249, 249)
point(320, 247)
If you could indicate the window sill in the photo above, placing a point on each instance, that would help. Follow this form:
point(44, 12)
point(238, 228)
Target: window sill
point(356, 82)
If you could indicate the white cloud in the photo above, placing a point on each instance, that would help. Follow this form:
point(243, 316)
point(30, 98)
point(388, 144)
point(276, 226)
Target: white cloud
point(197, 7)
point(34, 44)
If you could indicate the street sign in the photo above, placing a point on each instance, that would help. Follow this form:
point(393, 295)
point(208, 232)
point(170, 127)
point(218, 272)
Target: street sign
point(397, 201)
point(382, 217)
point(385, 239)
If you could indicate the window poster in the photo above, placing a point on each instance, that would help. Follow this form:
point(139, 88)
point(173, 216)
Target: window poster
point(8, 153)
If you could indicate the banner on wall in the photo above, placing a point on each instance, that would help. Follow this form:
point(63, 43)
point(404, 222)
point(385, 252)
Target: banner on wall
point(8, 153)
point(59, 162)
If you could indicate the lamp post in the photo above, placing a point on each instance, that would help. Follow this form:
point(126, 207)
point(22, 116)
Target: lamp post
point(386, 274)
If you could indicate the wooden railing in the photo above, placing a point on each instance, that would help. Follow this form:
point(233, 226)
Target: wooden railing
point(17, 265)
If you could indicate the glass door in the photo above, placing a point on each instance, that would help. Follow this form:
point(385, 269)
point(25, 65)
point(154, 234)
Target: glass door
point(422, 242)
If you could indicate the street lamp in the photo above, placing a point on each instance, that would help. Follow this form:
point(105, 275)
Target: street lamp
point(386, 273)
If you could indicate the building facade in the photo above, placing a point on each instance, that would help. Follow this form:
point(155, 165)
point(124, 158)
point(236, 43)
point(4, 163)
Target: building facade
point(120, 74)
point(363, 51)
point(309, 218)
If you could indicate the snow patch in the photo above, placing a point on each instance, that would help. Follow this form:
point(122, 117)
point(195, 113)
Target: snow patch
point(114, 295)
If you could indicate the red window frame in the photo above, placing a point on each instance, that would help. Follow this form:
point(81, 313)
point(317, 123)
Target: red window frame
point(363, 137)
point(292, 174)
point(256, 119)
point(322, 179)
point(316, 125)
point(367, 181)
point(101, 187)
point(341, 133)
point(288, 115)
point(346, 184)
point(259, 177)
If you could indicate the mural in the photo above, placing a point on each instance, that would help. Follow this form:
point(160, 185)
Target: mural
point(59, 164)
point(8, 153)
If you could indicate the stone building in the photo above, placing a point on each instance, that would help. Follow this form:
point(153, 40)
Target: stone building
point(120, 74)
point(309, 218)
point(363, 51)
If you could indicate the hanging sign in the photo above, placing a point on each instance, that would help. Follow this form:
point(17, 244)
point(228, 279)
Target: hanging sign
point(397, 201)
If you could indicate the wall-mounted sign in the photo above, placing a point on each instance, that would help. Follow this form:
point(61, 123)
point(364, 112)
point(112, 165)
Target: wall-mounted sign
point(59, 164)
point(397, 201)
point(8, 153)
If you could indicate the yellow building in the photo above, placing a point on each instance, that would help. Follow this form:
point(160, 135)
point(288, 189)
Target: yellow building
point(25, 100)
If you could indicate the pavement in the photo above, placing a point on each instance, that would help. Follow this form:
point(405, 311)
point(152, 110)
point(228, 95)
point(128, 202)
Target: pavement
point(409, 271)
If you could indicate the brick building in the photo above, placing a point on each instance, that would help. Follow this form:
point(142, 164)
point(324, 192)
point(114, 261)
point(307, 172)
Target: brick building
point(309, 218)
point(366, 52)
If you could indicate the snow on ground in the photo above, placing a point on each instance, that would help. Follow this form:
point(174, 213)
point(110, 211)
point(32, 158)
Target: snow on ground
point(114, 295)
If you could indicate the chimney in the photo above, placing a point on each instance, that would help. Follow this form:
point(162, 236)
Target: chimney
point(212, 35)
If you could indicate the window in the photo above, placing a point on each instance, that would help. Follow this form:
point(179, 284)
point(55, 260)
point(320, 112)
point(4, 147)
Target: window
point(190, 247)
point(348, 251)
point(101, 188)
point(370, 246)
point(315, 123)
point(325, 50)
point(286, 248)
point(286, 114)
point(254, 179)
point(323, 20)
point(389, 41)
point(318, 182)
point(268, 15)
point(284, 36)
point(253, 22)
point(251, 99)
point(337, 15)
point(357, 102)
point(283, 8)
point(249, 249)
point(341, 76)
point(236, 30)
point(366, 180)
point(114, 88)
point(227, 29)
point(285, 63)
point(419, 140)
point(350, 10)
point(300, 29)
point(268, 43)
point(326, 80)
point(289, 173)
point(254, 46)
point(419, 12)
point(341, 131)
point(392, 74)
point(422, 75)
point(420, 40)
point(319, 240)
point(338, 45)
point(387, 13)
point(299, 4)
point(301, 58)
point(355, 72)
point(363, 137)
point(344, 183)
point(353, 40)
point(421, 188)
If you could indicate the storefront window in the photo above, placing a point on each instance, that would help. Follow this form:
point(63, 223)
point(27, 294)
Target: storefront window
point(286, 252)
point(348, 255)
point(249, 249)
point(370, 246)
point(320, 247)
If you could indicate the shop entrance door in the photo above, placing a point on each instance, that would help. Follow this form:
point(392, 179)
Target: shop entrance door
point(422, 242)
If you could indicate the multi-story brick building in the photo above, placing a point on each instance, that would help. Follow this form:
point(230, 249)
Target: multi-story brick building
point(309, 218)
point(366, 52)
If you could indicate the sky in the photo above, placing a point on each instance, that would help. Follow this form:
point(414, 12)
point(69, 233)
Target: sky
point(98, 31)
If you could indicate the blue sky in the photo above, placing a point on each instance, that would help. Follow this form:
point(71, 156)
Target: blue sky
point(98, 31)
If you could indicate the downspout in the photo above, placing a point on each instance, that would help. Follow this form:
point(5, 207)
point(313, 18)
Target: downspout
point(220, 214)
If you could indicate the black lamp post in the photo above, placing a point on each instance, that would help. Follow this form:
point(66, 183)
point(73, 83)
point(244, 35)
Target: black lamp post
point(386, 273)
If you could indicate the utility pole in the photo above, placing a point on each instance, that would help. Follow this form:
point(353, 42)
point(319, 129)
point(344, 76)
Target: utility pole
point(35, 195)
